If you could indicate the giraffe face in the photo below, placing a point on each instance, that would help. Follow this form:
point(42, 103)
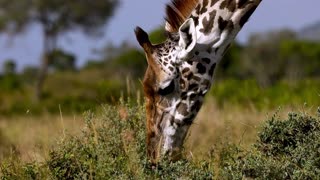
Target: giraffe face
point(162, 80)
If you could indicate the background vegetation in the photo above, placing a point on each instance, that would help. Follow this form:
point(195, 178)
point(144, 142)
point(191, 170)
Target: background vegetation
point(112, 146)
point(88, 122)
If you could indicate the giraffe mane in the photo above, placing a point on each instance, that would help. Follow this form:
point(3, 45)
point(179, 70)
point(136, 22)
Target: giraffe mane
point(177, 12)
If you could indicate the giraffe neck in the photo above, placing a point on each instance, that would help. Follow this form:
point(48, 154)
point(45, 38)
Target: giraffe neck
point(216, 23)
point(196, 78)
point(219, 21)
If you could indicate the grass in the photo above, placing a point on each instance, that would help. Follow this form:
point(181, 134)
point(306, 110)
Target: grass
point(30, 137)
point(111, 144)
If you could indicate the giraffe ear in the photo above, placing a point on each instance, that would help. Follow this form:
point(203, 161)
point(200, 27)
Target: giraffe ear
point(188, 37)
point(143, 39)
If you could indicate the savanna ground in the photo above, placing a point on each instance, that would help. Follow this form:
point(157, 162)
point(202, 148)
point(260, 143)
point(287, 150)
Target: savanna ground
point(223, 143)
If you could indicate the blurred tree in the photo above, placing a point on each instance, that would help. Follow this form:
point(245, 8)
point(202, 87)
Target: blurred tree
point(261, 58)
point(63, 61)
point(111, 51)
point(92, 64)
point(230, 65)
point(131, 63)
point(10, 81)
point(56, 17)
point(29, 74)
point(302, 59)
point(158, 35)
point(9, 67)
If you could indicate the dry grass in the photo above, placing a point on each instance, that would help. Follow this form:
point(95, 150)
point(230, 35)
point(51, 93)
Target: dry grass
point(217, 126)
point(30, 138)
point(229, 125)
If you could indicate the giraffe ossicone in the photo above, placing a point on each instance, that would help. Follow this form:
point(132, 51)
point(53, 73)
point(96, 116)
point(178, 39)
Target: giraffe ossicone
point(180, 70)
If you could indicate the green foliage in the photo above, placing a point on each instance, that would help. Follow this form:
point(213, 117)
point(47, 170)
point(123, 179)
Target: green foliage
point(231, 64)
point(56, 16)
point(286, 149)
point(129, 63)
point(272, 57)
point(115, 149)
point(62, 61)
point(29, 74)
point(245, 92)
point(93, 64)
point(10, 82)
point(302, 58)
point(112, 146)
point(157, 36)
point(9, 67)
point(14, 15)
point(15, 170)
point(266, 73)
point(183, 169)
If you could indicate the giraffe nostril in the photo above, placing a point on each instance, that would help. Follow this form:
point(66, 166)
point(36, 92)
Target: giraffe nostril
point(167, 90)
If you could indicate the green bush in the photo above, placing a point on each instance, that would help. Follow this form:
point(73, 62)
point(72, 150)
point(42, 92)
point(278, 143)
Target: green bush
point(112, 146)
point(14, 169)
point(10, 83)
point(283, 93)
point(132, 62)
point(286, 149)
point(115, 149)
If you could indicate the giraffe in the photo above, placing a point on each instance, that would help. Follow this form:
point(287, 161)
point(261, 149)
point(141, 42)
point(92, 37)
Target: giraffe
point(181, 69)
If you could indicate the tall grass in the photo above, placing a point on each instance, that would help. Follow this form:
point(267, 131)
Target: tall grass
point(112, 146)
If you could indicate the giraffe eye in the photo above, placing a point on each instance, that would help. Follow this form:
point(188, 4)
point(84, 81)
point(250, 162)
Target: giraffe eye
point(167, 90)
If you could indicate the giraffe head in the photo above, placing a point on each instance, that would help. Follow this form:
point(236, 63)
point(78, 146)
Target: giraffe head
point(161, 81)
point(180, 70)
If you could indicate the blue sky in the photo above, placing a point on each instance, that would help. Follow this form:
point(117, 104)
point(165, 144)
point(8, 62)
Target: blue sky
point(271, 14)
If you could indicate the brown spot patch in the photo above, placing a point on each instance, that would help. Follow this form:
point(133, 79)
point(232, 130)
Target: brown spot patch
point(189, 76)
point(201, 68)
point(208, 24)
point(243, 3)
point(222, 23)
point(196, 106)
point(193, 96)
point(204, 6)
point(206, 60)
point(196, 20)
point(213, 2)
point(229, 4)
point(196, 78)
point(185, 70)
point(190, 62)
point(183, 109)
